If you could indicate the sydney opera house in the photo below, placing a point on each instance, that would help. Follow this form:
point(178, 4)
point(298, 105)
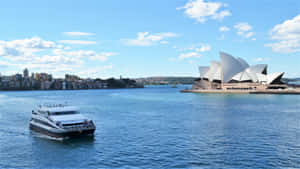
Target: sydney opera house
point(234, 73)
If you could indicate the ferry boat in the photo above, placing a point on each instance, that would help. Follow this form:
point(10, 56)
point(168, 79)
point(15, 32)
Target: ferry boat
point(61, 121)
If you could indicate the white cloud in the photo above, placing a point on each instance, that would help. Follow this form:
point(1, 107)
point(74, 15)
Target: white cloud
point(78, 42)
point(289, 29)
point(191, 52)
point(42, 55)
point(224, 29)
point(287, 36)
point(189, 55)
point(201, 11)
point(51, 63)
point(147, 39)
point(243, 27)
point(244, 30)
point(67, 48)
point(85, 54)
point(285, 46)
point(103, 56)
point(54, 59)
point(95, 71)
point(164, 42)
point(24, 47)
point(260, 59)
point(78, 33)
point(249, 34)
point(196, 47)
point(204, 48)
point(5, 64)
point(78, 53)
point(221, 15)
point(49, 68)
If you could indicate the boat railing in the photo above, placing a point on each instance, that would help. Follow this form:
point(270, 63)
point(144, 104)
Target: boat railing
point(76, 127)
point(52, 105)
point(33, 112)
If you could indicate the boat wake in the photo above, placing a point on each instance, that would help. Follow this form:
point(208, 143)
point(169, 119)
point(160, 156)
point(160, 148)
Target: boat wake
point(39, 135)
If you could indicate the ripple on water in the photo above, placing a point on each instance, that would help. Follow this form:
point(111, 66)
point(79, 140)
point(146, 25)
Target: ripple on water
point(157, 128)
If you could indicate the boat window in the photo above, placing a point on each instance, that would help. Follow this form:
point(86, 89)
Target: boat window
point(42, 112)
point(64, 113)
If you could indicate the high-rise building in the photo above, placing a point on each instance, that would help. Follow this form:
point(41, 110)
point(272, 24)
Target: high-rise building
point(26, 73)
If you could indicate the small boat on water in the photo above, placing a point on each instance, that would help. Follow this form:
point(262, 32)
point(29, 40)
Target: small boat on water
point(61, 121)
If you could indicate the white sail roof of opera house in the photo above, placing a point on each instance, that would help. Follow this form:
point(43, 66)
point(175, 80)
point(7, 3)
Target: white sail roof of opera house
point(251, 73)
point(237, 69)
point(203, 70)
point(268, 79)
point(272, 77)
point(230, 66)
point(243, 62)
point(214, 71)
point(242, 77)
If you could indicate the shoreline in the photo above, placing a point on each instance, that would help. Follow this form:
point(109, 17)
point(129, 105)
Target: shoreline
point(219, 91)
point(27, 90)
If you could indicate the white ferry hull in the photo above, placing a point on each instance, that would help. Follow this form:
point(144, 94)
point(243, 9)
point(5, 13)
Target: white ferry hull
point(60, 133)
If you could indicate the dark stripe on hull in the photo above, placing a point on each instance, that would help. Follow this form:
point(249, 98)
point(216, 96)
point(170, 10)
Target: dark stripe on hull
point(62, 135)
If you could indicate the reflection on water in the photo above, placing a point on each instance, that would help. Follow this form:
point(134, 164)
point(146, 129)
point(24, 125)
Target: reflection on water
point(158, 128)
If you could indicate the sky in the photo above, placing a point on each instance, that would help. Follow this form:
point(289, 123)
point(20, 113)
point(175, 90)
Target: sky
point(142, 38)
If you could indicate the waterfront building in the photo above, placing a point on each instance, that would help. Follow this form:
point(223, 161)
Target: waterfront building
point(64, 85)
point(45, 81)
point(235, 73)
point(45, 85)
point(17, 77)
point(71, 77)
point(36, 76)
point(25, 73)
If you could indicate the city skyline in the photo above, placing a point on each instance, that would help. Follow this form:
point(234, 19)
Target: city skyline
point(142, 39)
point(45, 81)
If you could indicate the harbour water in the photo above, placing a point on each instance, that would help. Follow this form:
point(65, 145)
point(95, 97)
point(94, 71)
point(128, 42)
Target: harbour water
point(156, 127)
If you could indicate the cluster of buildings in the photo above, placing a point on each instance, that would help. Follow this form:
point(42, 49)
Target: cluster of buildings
point(45, 81)
point(234, 73)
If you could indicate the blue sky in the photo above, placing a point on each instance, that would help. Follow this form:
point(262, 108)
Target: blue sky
point(139, 38)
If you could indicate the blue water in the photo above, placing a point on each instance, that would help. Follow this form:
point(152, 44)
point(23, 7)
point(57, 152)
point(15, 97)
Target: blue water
point(156, 127)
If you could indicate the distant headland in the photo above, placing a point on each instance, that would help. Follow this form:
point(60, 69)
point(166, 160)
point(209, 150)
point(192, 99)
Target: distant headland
point(166, 80)
point(45, 81)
